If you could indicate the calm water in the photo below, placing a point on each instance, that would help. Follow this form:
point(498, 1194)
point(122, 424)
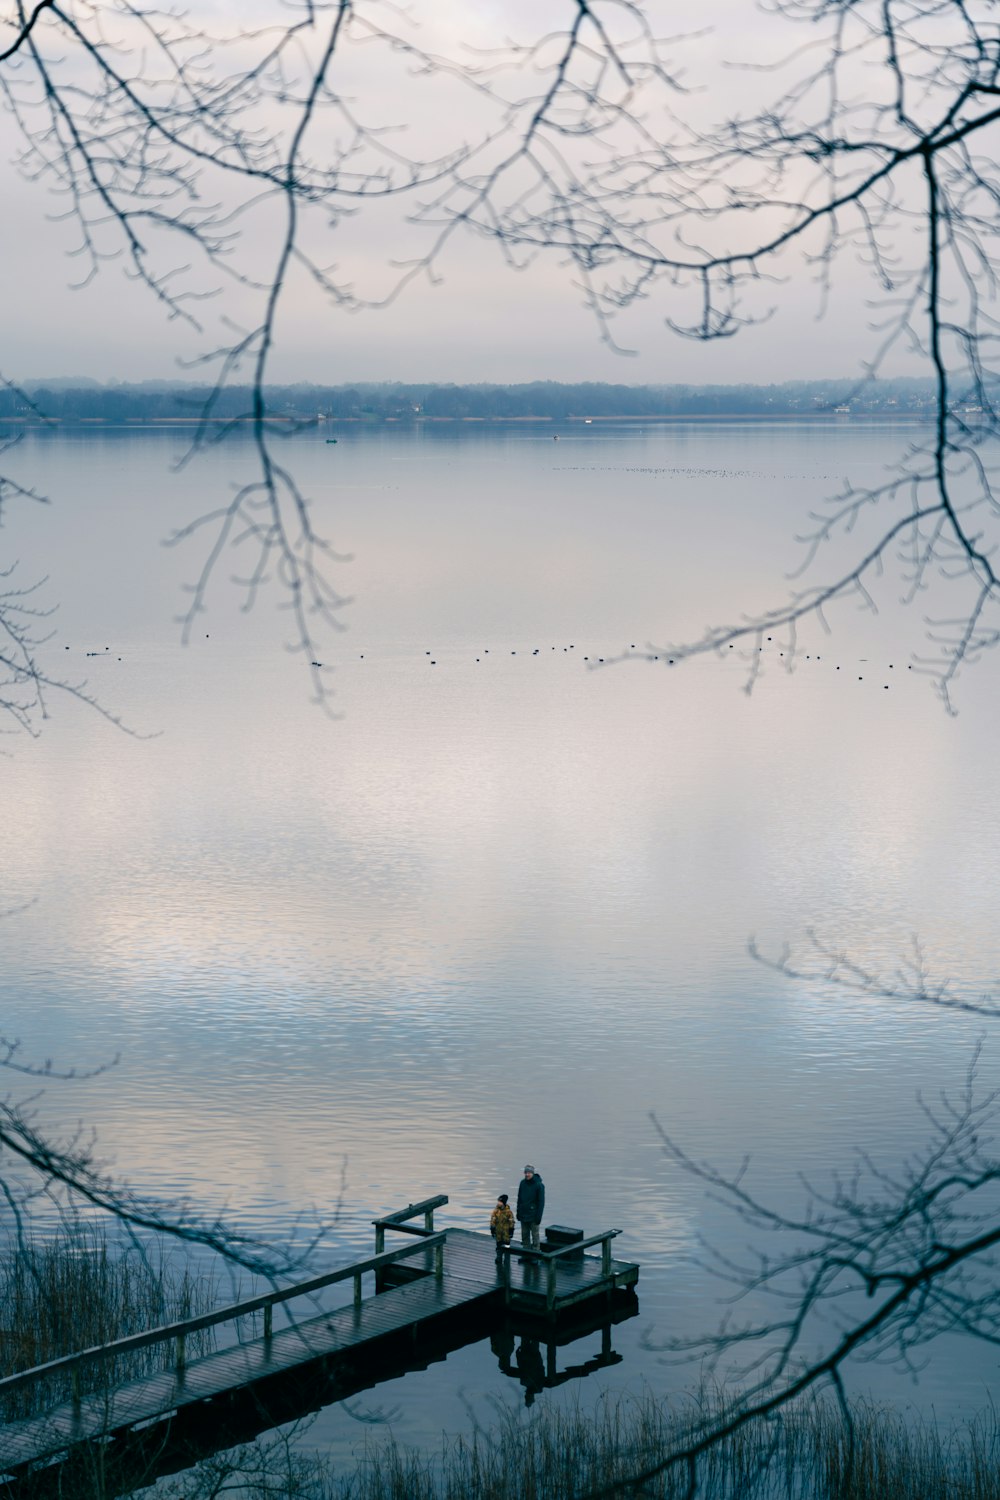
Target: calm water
point(499, 911)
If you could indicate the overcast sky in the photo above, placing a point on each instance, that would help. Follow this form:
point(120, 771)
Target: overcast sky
point(479, 321)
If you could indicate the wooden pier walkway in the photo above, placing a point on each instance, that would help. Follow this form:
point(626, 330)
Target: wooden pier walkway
point(450, 1276)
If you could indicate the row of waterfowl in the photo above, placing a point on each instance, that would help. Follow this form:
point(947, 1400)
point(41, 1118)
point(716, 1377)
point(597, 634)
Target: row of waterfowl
point(637, 653)
point(631, 651)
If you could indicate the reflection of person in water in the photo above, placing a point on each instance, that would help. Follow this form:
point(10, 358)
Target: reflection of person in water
point(530, 1369)
point(502, 1344)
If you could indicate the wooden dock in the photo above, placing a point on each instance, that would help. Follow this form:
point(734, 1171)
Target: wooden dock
point(438, 1284)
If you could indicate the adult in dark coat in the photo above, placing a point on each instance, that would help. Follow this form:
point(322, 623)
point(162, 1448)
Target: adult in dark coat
point(530, 1207)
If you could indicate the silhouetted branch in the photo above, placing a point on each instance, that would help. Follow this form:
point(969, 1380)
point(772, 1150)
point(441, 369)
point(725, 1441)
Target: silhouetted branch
point(160, 132)
point(832, 165)
point(26, 26)
point(879, 1264)
point(911, 980)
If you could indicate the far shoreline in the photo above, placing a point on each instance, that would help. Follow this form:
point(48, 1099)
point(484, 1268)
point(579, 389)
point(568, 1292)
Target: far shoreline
point(303, 423)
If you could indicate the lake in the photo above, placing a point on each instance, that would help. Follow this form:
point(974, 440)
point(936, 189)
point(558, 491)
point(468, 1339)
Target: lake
point(498, 911)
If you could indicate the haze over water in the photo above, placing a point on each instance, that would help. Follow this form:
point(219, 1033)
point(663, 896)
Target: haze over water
point(499, 911)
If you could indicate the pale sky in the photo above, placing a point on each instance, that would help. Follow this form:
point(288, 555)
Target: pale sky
point(480, 321)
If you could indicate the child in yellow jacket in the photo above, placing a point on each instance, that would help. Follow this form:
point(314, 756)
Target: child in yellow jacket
point(502, 1223)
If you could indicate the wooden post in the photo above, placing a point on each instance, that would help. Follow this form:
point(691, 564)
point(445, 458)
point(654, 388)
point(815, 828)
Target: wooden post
point(75, 1385)
point(357, 1289)
point(268, 1321)
point(551, 1361)
point(606, 1341)
point(550, 1298)
point(606, 1257)
point(429, 1220)
point(379, 1250)
point(439, 1261)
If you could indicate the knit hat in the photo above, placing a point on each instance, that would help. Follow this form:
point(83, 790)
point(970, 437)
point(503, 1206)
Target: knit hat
point(502, 1198)
point(529, 1169)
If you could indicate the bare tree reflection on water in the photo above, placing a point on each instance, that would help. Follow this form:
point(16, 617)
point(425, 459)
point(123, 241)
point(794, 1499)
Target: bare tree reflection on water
point(169, 142)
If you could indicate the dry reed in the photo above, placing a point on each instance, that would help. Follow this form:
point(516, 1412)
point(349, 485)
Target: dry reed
point(806, 1454)
point(67, 1294)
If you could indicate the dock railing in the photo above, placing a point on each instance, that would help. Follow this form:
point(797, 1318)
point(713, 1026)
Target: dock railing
point(266, 1302)
point(399, 1221)
point(551, 1258)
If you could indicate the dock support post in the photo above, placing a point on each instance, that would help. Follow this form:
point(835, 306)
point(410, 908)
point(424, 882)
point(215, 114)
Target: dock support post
point(550, 1296)
point(429, 1221)
point(439, 1261)
point(606, 1258)
point(75, 1385)
point(379, 1250)
point(357, 1289)
point(268, 1322)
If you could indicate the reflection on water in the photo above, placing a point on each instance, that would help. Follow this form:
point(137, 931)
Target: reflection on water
point(499, 911)
point(541, 1363)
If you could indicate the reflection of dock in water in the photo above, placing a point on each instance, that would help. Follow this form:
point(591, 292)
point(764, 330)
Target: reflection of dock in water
point(437, 1294)
point(529, 1352)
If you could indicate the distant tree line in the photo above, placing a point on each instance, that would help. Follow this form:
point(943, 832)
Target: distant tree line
point(66, 401)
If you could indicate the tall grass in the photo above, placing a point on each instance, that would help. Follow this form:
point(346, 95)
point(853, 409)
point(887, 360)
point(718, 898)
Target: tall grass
point(71, 1293)
point(808, 1454)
